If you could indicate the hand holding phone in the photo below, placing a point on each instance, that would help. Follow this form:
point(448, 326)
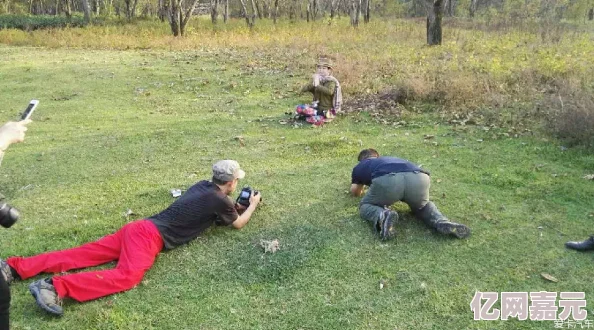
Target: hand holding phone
point(30, 108)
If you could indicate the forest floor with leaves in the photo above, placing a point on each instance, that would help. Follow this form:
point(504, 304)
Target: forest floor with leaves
point(116, 130)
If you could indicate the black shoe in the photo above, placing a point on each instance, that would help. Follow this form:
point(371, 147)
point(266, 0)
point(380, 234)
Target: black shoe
point(452, 228)
point(586, 245)
point(386, 225)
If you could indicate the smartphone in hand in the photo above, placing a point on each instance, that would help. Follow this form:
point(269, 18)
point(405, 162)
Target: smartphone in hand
point(30, 108)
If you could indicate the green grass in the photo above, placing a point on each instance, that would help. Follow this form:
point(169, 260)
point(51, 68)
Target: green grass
point(115, 130)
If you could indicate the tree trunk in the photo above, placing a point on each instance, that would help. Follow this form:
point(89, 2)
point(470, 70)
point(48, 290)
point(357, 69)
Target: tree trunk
point(214, 11)
point(185, 19)
point(127, 3)
point(67, 9)
point(472, 8)
point(314, 12)
point(256, 3)
point(275, 11)
point(226, 16)
point(293, 10)
point(434, 16)
point(130, 8)
point(249, 22)
point(367, 15)
point(308, 11)
point(355, 13)
point(87, 11)
point(97, 7)
point(332, 8)
point(108, 6)
point(161, 10)
point(173, 17)
point(591, 14)
point(449, 7)
point(134, 8)
point(254, 11)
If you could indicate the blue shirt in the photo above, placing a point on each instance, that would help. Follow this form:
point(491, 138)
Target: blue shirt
point(371, 168)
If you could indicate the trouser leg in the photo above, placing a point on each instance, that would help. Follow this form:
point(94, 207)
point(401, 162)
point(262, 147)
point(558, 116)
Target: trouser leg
point(433, 218)
point(383, 192)
point(4, 304)
point(104, 250)
point(141, 242)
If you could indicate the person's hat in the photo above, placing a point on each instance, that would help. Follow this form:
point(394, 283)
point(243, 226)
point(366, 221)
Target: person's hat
point(227, 170)
point(325, 61)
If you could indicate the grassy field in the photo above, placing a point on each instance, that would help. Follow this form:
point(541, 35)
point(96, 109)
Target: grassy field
point(117, 129)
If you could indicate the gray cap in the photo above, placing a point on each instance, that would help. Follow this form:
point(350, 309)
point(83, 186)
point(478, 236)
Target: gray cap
point(227, 170)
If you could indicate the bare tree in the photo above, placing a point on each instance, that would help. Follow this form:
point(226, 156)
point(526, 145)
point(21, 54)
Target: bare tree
point(130, 8)
point(214, 11)
point(255, 11)
point(591, 14)
point(355, 12)
point(367, 12)
point(472, 8)
point(87, 11)
point(275, 13)
point(434, 16)
point(226, 15)
point(249, 19)
point(67, 8)
point(108, 6)
point(449, 6)
point(179, 16)
point(162, 10)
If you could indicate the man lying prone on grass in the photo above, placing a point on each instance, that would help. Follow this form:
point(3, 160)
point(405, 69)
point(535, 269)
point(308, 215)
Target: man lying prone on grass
point(135, 245)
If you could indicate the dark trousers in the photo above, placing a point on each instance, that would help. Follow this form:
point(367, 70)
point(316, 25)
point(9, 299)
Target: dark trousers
point(4, 303)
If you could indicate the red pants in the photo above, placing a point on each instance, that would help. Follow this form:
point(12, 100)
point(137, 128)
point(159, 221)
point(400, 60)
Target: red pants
point(135, 246)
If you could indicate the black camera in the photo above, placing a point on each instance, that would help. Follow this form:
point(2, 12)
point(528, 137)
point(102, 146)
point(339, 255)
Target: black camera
point(8, 214)
point(244, 196)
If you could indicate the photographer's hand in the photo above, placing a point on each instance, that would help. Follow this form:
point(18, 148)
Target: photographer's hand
point(243, 219)
point(240, 208)
point(255, 198)
point(12, 132)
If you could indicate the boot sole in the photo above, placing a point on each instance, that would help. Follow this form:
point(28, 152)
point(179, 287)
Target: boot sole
point(34, 289)
point(579, 248)
point(458, 230)
point(388, 231)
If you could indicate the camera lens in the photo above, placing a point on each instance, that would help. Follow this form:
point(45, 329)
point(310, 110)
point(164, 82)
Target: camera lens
point(8, 215)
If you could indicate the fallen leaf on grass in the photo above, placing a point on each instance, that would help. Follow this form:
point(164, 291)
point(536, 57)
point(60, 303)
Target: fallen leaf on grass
point(270, 246)
point(589, 177)
point(128, 213)
point(549, 277)
point(241, 140)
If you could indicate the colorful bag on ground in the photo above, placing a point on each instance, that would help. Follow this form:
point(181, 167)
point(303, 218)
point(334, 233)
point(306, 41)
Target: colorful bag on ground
point(311, 115)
